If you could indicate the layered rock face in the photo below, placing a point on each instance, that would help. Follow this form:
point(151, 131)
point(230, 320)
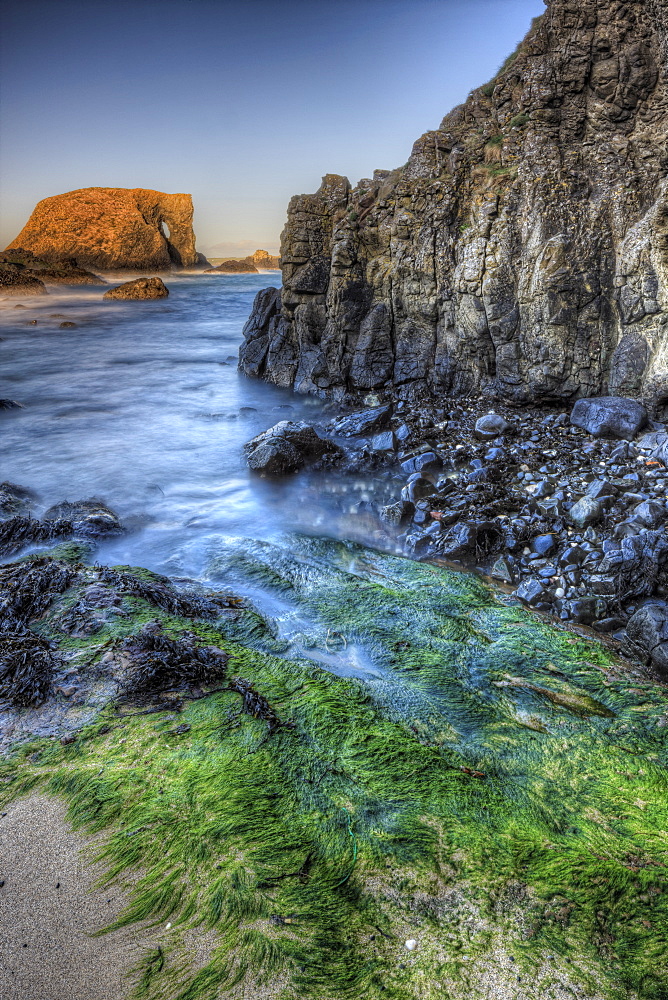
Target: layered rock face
point(521, 252)
point(113, 229)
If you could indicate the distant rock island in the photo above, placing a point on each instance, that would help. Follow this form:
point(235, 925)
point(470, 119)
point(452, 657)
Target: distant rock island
point(261, 260)
point(111, 229)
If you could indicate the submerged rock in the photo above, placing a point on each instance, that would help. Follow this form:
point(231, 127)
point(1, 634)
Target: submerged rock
point(287, 447)
point(140, 288)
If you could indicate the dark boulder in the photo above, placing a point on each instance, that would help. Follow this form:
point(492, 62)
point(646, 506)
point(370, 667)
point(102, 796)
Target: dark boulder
point(647, 635)
point(287, 447)
point(609, 416)
point(470, 541)
point(89, 517)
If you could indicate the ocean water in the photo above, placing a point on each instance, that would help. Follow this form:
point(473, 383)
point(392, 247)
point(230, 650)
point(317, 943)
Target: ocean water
point(142, 406)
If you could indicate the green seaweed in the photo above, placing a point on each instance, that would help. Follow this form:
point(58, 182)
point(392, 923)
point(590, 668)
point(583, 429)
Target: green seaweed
point(469, 777)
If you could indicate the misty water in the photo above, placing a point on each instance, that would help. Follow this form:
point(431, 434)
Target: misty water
point(141, 405)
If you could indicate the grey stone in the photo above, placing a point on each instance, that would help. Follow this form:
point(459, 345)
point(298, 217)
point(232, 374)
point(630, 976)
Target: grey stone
point(609, 416)
point(363, 422)
point(585, 512)
point(503, 569)
point(383, 441)
point(647, 632)
point(490, 426)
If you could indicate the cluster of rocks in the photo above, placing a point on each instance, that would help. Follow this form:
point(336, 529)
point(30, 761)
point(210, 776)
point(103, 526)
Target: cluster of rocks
point(565, 509)
point(22, 273)
point(82, 519)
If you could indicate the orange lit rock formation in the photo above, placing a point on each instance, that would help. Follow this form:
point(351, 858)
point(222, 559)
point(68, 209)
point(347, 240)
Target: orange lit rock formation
point(113, 229)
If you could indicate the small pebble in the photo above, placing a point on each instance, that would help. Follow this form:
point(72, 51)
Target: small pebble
point(411, 944)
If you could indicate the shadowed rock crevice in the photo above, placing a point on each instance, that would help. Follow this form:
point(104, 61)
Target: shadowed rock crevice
point(521, 250)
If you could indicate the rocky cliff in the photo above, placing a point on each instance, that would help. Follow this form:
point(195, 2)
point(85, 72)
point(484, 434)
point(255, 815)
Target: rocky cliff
point(521, 252)
point(113, 229)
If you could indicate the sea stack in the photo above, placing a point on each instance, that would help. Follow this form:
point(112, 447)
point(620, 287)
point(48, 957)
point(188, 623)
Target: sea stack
point(113, 229)
point(521, 252)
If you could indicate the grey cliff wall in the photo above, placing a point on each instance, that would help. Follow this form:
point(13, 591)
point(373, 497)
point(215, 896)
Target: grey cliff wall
point(521, 252)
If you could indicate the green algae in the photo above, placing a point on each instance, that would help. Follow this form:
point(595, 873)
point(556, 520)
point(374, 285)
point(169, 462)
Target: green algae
point(496, 788)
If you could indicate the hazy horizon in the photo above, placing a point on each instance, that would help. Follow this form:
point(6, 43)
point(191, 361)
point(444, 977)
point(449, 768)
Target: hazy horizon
point(241, 105)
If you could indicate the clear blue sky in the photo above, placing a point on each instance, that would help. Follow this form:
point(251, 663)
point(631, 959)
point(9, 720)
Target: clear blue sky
point(241, 104)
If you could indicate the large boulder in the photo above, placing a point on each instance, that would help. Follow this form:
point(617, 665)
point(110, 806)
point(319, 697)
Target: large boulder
point(287, 447)
point(113, 229)
point(609, 417)
point(140, 288)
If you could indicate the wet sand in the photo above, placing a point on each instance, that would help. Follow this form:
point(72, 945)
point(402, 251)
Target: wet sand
point(48, 912)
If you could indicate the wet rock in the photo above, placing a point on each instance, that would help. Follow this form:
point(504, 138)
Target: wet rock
point(363, 422)
point(140, 288)
point(89, 517)
point(609, 416)
point(472, 540)
point(647, 632)
point(418, 488)
point(601, 489)
point(650, 513)
point(530, 592)
point(503, 569)
point(585, 512)
point(490, 426)
point(10, 404)
point(287, 447)
point(383, 442)
point(397, 514)
point(544, 545)
point(68, 325)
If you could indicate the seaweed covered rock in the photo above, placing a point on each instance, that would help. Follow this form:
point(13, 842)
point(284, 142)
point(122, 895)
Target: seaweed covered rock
point(16, 281)
point(88, 517)
point(287, 447)
point(154, 662)
point(61, 272)
point(140, 288)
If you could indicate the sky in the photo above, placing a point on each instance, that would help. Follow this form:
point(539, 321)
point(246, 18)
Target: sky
point(242, 104)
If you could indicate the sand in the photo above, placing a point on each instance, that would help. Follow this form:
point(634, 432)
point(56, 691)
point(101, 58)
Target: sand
point(47, 912)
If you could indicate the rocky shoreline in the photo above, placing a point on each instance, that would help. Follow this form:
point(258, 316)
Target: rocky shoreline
point(568, 518)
